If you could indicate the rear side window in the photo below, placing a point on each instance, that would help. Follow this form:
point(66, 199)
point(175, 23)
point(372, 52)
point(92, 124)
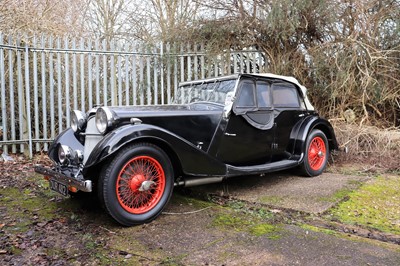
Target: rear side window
point(263, 96)
point(285, 95)
point(246, 98)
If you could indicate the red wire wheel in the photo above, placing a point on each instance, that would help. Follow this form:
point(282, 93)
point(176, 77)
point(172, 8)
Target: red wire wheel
point(316, 153)
point(140, 184)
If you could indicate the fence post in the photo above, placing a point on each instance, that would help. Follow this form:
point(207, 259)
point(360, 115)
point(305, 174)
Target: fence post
point(189, 63)
point(134, 77)
point(202, 62)
point(148, 91)
point(175, 56)
point(90, 76)
point(35, 95)
point(105, 70)
point(155, 74)
point(126, 75)
point(141, 79)
point(59, 87)
point(51, 93)
point(67, 89)
point(168, 58)
point(74, 75)
point(3, 96)
point(28, 99)
point(82, 67)
point(97, 60)
point(21, 98)
point(119, 73)
point(151, 75)
point(112, 74)
point(162, 71)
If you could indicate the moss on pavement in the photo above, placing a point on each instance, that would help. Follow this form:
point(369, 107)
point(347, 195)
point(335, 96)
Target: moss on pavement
point(375, 205)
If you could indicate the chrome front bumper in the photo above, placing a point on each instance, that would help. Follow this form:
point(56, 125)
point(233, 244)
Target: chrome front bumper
point(83, 185)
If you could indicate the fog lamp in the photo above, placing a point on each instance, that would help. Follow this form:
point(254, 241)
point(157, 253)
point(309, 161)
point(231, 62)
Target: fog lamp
point(78, 156)
point(64, 154)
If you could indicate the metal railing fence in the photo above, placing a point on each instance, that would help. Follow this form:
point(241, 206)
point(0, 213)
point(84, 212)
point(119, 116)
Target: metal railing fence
point(43, 78)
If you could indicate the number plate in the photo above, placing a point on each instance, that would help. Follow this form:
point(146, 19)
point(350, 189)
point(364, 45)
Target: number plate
point(58, 187)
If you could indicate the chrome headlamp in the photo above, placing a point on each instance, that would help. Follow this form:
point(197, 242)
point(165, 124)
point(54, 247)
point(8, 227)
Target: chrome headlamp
point(78, 121)
point(104, 119)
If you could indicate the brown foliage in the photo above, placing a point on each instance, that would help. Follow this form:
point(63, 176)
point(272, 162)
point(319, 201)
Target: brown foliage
point(41, 16)
point(347, 53)
point(369, 145)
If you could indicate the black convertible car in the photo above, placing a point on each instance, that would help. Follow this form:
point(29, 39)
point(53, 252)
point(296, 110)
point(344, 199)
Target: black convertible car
point(133, 156)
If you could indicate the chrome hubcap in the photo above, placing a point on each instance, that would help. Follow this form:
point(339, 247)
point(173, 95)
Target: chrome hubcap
point(146, 185)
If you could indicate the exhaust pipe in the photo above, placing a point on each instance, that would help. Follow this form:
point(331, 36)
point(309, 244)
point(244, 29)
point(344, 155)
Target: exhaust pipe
point(191, 182)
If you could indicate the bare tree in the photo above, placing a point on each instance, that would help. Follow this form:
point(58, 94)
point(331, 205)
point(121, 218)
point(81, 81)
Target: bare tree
point(41, 16)
point(108, 19)
point(346, 51)
point(173, 18)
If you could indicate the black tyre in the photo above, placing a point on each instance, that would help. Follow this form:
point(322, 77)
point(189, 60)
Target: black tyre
point(316, 154)
point(136, 184)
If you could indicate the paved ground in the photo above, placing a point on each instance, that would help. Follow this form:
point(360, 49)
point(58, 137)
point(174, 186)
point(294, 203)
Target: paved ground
point(293, 245)
point(37, 227)
point(203, 243)
point(285, 190)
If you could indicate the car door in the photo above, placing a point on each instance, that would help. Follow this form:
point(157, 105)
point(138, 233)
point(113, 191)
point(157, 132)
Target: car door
point(289, 110)
point(249, 133)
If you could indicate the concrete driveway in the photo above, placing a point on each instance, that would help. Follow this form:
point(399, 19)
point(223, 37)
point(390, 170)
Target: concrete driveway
point(38, 227)
point(202, 243)
point(286, 190)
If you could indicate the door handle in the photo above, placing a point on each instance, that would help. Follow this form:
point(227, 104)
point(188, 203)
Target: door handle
point(229, 134)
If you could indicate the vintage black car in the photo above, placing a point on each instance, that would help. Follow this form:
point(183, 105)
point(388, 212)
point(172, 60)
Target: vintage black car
point(238, 125)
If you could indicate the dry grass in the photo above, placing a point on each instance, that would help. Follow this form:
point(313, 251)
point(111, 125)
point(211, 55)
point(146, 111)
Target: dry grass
point(369, 145)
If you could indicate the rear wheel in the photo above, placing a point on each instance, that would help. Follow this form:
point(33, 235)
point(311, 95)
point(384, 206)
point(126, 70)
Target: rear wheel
point(316, 154)
point(136, 184)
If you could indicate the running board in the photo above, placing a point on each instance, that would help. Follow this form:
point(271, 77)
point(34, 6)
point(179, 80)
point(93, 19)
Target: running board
point(237, 171)
point(261, 169)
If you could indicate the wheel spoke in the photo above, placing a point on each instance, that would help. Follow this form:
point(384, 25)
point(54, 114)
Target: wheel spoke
point(316, 153)
point(131, 178)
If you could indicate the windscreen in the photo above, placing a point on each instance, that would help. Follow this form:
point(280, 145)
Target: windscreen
point(213, 91)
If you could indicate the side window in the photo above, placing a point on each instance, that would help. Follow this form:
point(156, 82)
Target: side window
point(263, 95)
point(246, 97)
point(285, 95)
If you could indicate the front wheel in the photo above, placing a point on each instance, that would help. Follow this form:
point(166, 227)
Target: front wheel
point(316, 154)
point(136, 184)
